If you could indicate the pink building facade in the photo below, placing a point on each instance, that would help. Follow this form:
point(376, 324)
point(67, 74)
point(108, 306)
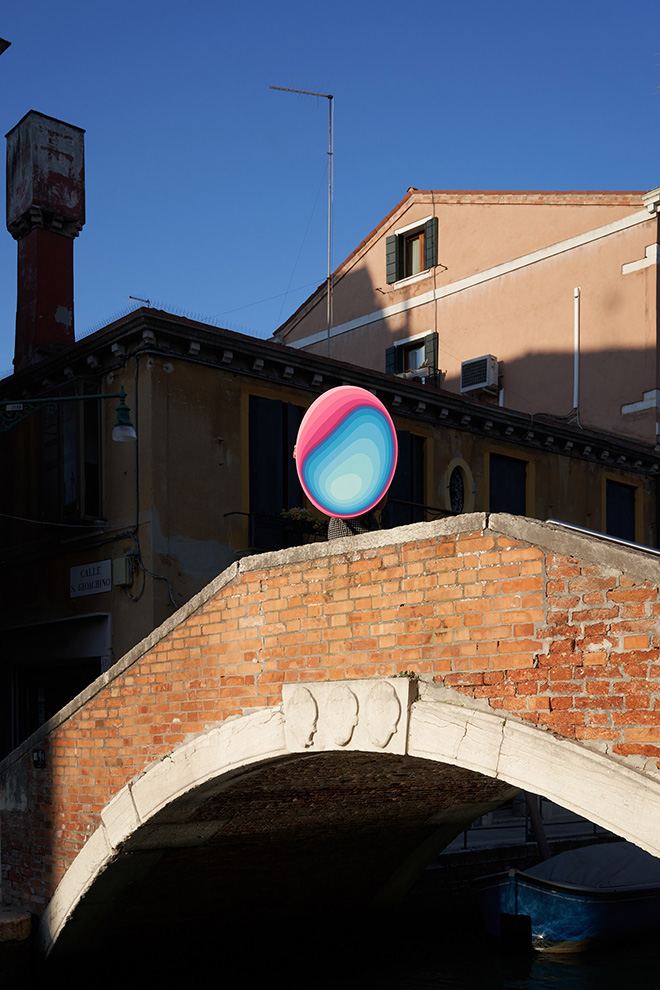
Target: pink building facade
point(557, 292)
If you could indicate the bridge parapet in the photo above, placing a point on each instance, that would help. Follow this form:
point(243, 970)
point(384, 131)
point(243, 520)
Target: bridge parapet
point(557, 630)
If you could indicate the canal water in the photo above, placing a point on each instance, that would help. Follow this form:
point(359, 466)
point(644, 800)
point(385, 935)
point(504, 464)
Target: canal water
point(391, 960)
point(434, 940)
point(439, 944)
point(622, 969)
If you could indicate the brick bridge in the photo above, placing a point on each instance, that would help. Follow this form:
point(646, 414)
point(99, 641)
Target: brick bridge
point(265, 733)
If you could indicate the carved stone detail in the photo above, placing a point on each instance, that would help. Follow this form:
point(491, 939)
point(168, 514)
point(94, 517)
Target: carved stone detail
point(383, 711)
point(367, 714)
point(302, 716)
point(344, 708)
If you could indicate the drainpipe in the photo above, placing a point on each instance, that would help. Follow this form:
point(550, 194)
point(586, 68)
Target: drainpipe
point(576, 348)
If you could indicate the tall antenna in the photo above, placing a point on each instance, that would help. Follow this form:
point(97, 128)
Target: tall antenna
point(329, 97)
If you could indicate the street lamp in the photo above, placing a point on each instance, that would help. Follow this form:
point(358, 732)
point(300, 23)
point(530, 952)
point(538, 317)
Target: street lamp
point(12, 413)
point(123, 429)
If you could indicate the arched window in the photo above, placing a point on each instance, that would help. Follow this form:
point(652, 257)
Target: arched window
point(459, 487)
point(457, 490)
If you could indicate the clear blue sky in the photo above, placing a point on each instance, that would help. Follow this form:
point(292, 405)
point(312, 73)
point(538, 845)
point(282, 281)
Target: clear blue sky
point(207, 192)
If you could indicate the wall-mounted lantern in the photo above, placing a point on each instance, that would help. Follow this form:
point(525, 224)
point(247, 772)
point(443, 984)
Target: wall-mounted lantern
point(12, 413)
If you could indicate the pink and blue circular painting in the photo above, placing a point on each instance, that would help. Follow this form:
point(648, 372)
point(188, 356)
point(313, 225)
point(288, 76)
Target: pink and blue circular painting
point(346, 452)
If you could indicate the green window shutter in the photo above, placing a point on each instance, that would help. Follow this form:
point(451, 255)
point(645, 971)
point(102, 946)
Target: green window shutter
point(431, 243)
point(391, 259)
point(393, 360)
point(431, 352)
point(390, 361)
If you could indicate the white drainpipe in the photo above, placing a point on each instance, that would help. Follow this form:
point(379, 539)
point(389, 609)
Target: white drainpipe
point(576, 347)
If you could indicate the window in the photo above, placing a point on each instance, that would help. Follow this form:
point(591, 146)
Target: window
point(413, 254)
point(413, 355)
point(620, 510)
point(274, 483)
point(412, 250)
point(71, 458)
point(456, 490)
point(406, 493)
point(508, 484)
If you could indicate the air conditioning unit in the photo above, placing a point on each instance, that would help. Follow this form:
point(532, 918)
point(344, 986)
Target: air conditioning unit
point(480, 374)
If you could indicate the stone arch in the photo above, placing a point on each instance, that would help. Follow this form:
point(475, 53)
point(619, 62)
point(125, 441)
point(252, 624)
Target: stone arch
point(386, 715)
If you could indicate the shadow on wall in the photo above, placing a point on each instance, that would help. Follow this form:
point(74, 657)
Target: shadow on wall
point(439, 337)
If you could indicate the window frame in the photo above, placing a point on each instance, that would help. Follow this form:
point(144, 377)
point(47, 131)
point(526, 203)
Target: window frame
point(530, 477)
point(71, 443)
point(638, 505)
point(418, 444)
point(266, 499)
point(413, 261)
point(396, 356)
point(398, 250)
point(461, 465)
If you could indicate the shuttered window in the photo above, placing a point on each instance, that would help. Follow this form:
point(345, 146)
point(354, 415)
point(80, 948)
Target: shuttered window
point(508, 484)
point(620, 510)
point(412, 252)
point(274, 484)
point(422, 352)
point(406, 493)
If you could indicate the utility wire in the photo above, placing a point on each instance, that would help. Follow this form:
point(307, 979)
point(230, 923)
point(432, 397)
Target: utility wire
point(258, 302)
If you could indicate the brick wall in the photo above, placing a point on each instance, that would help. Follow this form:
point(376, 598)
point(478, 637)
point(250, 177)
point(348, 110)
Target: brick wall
point(559, 631)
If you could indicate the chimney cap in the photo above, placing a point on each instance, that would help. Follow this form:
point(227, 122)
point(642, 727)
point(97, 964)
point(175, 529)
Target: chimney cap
point(46, 171)
point(44, 116)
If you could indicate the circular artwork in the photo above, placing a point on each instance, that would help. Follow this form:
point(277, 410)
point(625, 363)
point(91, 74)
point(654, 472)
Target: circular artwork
point(346, 452)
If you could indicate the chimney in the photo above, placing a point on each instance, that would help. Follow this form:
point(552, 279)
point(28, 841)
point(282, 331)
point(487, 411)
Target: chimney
point(45, 211)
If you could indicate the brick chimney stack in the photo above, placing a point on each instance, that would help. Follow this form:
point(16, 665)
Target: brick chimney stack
point(45, 211)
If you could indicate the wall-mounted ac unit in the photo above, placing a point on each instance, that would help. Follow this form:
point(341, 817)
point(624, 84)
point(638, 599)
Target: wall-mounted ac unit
point(480, 373)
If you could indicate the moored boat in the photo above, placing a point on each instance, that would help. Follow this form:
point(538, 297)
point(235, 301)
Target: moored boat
point(578, 897)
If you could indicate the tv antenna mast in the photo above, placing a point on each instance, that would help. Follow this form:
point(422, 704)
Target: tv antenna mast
point(329, 97)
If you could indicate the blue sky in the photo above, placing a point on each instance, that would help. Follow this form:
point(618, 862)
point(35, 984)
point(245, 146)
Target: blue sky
point(207, 191)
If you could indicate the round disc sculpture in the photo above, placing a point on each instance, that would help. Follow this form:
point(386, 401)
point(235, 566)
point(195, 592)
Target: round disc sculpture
point(346, 452)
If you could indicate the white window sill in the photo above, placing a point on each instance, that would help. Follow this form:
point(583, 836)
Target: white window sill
point(411, 279)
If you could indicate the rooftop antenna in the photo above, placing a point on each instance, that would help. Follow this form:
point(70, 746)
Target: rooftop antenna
point(329, 97)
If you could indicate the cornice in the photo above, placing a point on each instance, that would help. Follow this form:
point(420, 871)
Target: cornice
point(149, 331)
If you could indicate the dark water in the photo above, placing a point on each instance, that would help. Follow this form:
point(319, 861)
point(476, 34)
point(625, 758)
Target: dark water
point(430, 942)
point(606, 970)
point(389, 960)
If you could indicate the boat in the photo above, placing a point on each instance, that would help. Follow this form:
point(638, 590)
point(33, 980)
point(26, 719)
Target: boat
point(576, 899)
